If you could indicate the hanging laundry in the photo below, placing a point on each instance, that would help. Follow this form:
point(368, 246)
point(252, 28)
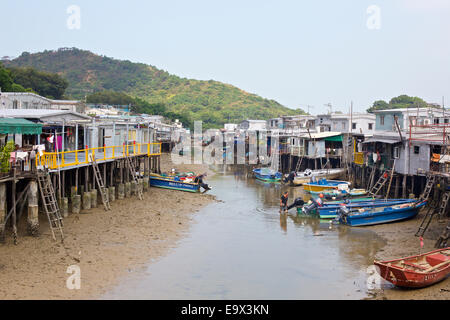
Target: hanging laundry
point(58, 144)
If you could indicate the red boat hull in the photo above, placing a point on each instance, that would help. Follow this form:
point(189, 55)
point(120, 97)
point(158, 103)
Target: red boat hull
point(407, 278)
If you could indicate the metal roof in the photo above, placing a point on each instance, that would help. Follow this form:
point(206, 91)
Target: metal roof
point(322, 135)
point(37, 113)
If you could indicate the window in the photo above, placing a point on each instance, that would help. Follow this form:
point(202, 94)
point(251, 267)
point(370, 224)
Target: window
point(370, 126)
point(436, 121)
point(445, 120)
point(15, 104)
point(354, 125)
point(343, 125)
point(416, 149)
point(396, 153)
point(382, 120)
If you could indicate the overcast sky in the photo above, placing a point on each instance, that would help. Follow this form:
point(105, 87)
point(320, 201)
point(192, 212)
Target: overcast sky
point(296, 52)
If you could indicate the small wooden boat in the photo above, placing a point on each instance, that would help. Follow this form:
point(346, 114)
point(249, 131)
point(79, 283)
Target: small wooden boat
point(174, 182)
point(325, 185)
point(305, 176)
point(371, 215)
point(416, 271)
point(267, 175)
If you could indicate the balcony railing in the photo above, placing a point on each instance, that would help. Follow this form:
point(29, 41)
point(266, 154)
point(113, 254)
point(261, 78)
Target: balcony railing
point(55, 160)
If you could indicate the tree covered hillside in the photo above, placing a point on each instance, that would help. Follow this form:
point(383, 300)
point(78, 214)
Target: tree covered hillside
point(211, 101)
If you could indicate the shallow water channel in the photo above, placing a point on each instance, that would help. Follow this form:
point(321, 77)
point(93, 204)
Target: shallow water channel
point(242, 248)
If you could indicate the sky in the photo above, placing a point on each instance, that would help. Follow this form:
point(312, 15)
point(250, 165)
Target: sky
point(299, 53)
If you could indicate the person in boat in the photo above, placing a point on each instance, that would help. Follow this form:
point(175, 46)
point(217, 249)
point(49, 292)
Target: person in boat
point(283, 201)
point(199, 180)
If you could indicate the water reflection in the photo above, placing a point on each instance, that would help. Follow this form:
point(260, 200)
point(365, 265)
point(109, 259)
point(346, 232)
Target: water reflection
point(243, 248)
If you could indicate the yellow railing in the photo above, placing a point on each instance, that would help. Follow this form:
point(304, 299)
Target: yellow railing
point(55, 160)
point(359, 158)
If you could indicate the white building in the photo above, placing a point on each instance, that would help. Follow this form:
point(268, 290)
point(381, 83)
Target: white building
point(26, 100)
point(253, 125)
point(360, 123)
point(230, 126)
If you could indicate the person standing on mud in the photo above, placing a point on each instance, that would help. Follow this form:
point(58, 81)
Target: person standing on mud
point(283, 202)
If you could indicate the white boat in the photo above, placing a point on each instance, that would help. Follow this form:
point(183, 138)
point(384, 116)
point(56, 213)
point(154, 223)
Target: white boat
point(329, 174)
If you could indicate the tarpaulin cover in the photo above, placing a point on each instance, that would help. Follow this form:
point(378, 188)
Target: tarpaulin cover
point(335, 138)
point(19, 126)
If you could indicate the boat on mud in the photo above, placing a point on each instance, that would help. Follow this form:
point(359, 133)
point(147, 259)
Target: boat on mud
point(175, 182)
point(305, 176)
point(377, 214)
point(416, 271)
point(331, 209)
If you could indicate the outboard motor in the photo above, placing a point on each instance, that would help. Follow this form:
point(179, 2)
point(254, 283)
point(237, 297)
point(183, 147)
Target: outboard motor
point(342, 213)
point(314, 205)
point(297, 203)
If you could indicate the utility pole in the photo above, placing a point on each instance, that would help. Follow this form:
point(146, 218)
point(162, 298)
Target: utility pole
point(443, 107)
point(351, 117)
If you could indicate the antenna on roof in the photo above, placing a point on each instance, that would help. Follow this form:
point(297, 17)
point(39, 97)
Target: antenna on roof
point(329, 106)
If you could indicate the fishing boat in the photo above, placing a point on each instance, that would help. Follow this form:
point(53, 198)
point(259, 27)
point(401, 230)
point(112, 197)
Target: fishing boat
point(416, 271)
point(270, 174)
point(340, 194)
point(330, 209)
point(174, 182)
point(325, 185)
point(305, 176)
point(371, 215)
point(267, 175)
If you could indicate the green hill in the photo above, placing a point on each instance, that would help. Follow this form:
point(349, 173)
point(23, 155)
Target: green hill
point(211, 101)
point(400, 102)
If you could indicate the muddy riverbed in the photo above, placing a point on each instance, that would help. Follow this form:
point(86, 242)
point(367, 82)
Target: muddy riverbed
point(242, 248)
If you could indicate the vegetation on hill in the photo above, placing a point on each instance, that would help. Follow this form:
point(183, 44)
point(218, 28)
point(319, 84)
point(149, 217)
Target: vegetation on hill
point(46, 84)
point(7, 84)
point(213, 102)
point(402, 101)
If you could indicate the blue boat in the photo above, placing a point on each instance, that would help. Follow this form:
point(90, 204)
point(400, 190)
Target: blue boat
point(267, 175)
point(378, 215)
point(330, 211)
point(173, 182)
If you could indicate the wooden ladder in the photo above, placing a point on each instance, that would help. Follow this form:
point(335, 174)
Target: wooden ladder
point(51, 207)
point(132, 169)
point(371, 177)
point(430, 214)
point(442, 242)
point(380, 183)
point(299, 163)
point(100, 184)
point(428, 187)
